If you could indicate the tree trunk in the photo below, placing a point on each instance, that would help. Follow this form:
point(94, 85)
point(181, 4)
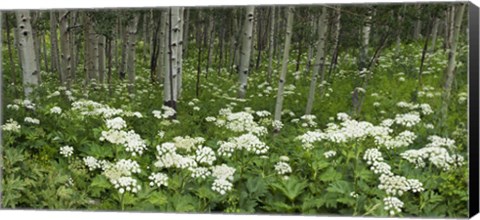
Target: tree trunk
point(318, 68)
point(198, 40)
point(271, 46)
point(162, 57)
point(64, 50)
point(30, 70)
point(246, 51)
point(74, 52)
point(436, 23)
point(259, 39)
point(37, 43)
point(418, 24)
point(180, 53)
point(170, 85)
point(283, 73)
point(211, 37)
point(450, 70)
point(131, 41)
point(44, 52)
point(123, 62)
point(365, 39)
point(222, 46)
point(336, 41)
point(101, 58)
point(13, 70)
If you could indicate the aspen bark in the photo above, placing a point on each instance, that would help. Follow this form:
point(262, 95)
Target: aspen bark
point(336, 40)
point(27, 57)
point(246, 51)
point(131, 41)
point(450, 70)
point(283, 73)
point(170, 83)
point(180, 53)
point(436, 23)
point(318, 67)
point(271, 46)
point(161, 69)
point(365, 39)
point(211, 37)
point(101, 58)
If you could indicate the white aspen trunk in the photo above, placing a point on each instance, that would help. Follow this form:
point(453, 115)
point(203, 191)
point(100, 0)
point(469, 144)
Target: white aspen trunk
point(398, 32)
point(436, 23)
point(246, 51)
point(89, 64)
point(418, 24)
point(180, 53)
point(131, 41)
point(101, 59)
point(365, 39)
point(336, 40)
point(283, 73)
point(123, 62)
point(270, 49)
point(94, 47)
point(64, 48)
point(73, 52)
point(36, 42)
point(450, 70)
point(211, 37)
point(30, 71)
point(319, 59)
point(170, 83)
point(162, 55)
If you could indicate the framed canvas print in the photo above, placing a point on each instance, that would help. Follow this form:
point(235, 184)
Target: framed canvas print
point(327, 109)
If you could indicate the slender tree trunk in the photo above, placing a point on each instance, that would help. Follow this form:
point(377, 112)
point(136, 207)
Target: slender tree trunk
point(436, 23)
point(162, 57)
point(418, 23)
point(180, 53)
point(155, 51)
point(259, 39)
point(198, 40)
point(424, 52)
point(319, 60)
point(74, 52)
point(131, 41)
point(101, 58)
point(30, 70)
point(211, 37)
point(450, 70)
point(283, 73)
point(108, 50)
point(123, 62)
point(336, 41)
point(222, 46)
point(44, 52)
point(271, 46)
point(365, 39)
point(37, 43)
point(13, 70)
point(246, 51)
point(170, 94)
point(65, 53)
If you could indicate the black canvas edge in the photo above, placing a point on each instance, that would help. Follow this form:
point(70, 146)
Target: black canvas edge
point(473, 125)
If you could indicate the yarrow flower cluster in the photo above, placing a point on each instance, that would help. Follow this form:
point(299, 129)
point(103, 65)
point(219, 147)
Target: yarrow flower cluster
point(248, 142)
point(408, 119)
point(221, 186)
point(116, 123)
point(166, 113)
point(126, 184)
point(56, 110)
point(158, 179)
point(282, 168)
point(32, 120)
point(200, 172)
point(223, 174)
point(11, 125)
point(205, 155)
point(329, 154)
point(130, 140)
point(187, 143)
point(393, 205)
point(66, 151)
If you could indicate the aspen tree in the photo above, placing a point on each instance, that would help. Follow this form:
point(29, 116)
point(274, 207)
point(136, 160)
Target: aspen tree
point(30, 72)
point(283, 73)
point(318, 67)
point(243, 70)
point(131, 42)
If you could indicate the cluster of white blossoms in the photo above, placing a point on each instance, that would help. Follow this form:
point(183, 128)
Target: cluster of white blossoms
point(436, 141)
point(205, 155)
point(92, 108)
point(424, 107)
point(223, 174)
point(126, 184)
point(32, 120)
point(13, 107)
point(91, 162)
point(66, 151)
point(56, 110)
point(168, 157)
point(277, 125)
point(284, 158)
point(26, 103)
point(165, 113)
point(263, 114)
point(239, 122)
point(221, 186)
point(438, 156)
point(248, 142)
point(210, 119)
point(282, 168)
point(393, 205)
point(158, 179)
point(130, 140)
point(403, 139)
point(200, 172)
point(330, 153)
point(307, 121)
point(116, 123)
point(394, 185)
point(11, 125)
point(187, 143)
point(407, 119)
